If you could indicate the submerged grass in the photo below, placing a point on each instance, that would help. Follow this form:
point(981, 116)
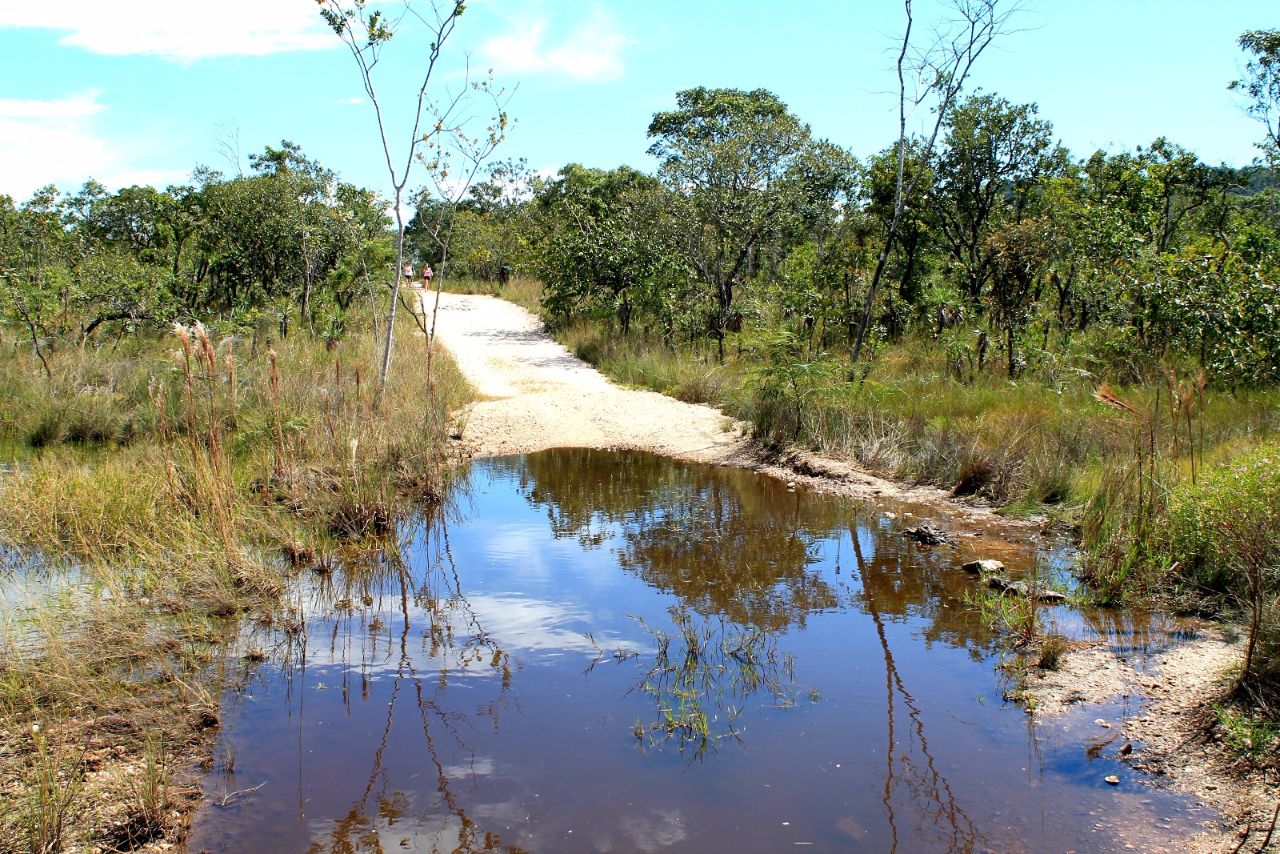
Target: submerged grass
point(167, 486)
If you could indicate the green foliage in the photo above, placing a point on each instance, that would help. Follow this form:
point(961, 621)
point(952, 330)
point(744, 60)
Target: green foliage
point(744, 174)
point(606, 248)
point(1248, 734)
point(1226, 528)
point(1261, 84)
point(995, 156)
point(1230, 509)
point(288, 237)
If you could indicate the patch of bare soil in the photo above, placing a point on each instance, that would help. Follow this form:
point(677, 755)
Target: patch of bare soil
point(536, 395)
point(102, 787)
point(1167, 730)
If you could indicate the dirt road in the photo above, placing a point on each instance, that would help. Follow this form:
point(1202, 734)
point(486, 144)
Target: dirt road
point(536, 395)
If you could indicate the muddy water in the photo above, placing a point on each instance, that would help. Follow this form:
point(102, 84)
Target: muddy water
point(614, 652)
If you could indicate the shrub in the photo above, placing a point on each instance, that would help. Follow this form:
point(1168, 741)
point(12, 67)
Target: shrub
point(1225, 529)
point(1232, 509)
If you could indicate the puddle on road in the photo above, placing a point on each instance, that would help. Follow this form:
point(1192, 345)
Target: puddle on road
point(617, 652)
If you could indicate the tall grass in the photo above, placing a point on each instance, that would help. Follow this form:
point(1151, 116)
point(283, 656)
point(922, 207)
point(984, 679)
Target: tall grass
point(1021, 444)
point(173, 525)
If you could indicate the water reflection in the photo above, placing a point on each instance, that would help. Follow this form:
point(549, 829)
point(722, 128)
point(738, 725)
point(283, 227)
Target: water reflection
point(614, 652)
point(408, 633)
point(925, 787)
point(743, 553)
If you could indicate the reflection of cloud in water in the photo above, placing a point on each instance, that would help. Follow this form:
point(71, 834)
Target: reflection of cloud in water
point(481, 766)
point(343, 643)
point(533, 625)
point(658, 829)
point(416, 821)
point(508, 812)
point(524, 546)
point(428, 833)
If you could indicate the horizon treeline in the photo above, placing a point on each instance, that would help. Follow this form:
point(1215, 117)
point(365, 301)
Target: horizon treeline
point(1009, 250)
point(287, 242)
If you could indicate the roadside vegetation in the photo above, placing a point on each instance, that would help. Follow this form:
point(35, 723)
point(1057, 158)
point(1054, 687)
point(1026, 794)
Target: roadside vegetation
point(166, 477)
point(1090, 339)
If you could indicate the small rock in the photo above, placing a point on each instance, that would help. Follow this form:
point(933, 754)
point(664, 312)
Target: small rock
point(927, 535)
point(1113, 779)
point(1126, 749)
point(983, 567)
point(1006, 585)
point(791, 486)
point(1020, 588)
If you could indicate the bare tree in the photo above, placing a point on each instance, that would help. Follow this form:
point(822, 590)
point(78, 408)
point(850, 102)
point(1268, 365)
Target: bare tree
point(453, 161)
point(227, 142)
point(1261, 83)
point(366, 34)
point(933, 75)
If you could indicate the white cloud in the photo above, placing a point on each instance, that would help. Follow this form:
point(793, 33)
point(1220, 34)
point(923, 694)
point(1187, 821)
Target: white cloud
point(56, 142)
point(349, 102)
point(178, 31)
point(591, 51)
point(76, 107)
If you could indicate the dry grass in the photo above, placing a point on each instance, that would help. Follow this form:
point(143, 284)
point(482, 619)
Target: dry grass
point(161, 535)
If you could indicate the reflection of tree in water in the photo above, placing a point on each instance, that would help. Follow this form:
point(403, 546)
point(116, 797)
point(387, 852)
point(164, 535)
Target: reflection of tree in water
point(725, 541)
point(902, 580)
point(910, 766)
point(455, 641)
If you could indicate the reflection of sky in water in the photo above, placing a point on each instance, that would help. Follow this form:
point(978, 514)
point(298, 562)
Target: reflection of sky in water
point(484, 720)
point(30, 589)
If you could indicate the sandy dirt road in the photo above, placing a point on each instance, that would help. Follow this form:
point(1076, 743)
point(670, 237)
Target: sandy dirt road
point(535, 394)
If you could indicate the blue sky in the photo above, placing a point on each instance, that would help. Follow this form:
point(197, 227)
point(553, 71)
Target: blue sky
point(140, 91)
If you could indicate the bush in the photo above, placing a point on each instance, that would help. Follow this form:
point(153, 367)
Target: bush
point(1226, 530)
point(1217, 523)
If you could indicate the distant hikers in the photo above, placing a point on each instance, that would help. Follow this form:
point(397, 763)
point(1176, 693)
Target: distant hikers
point(408, 269)
point(427, 273)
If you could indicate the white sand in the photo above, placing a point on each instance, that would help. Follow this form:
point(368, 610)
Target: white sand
point(537, 395)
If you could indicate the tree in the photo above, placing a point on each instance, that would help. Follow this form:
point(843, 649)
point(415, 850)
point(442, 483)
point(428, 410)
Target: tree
point(1155, 189)
point(366, 34)
point(936, 74)
point(1261, 85)
point(912, 229)
point(1018, 256)
point(730, 158)
point(995, 153)
point(605, 240)
point(34, 267)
